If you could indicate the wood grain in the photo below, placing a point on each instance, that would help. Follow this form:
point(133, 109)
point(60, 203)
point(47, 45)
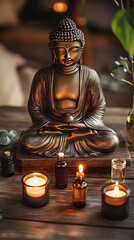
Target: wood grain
point(60, 208)
point(59, 219)
point(39, 230)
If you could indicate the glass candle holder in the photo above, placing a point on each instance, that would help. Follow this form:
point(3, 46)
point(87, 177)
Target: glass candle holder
point(35, 189)
point(115, 201)
point(118, 170)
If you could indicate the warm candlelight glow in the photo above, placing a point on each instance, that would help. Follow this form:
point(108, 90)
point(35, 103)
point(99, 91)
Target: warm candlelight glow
point(79, 189)
point(116, 191)
point(115, 201)
point(60, 7)
point(80, 168)
point(61, 154)
point(35, 181)
point(34, 188)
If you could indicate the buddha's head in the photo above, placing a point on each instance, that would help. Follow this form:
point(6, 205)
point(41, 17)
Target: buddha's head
point(66, 43)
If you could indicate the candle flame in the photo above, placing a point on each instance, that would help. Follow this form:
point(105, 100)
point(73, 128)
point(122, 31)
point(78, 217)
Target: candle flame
point(116, 191)
point(80, 168)
point(61, 154)
point(35, 181)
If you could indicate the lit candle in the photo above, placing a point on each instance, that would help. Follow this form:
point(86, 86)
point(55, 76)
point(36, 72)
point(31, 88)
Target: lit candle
point(80, 174)
point(79, 189)
point(35, 186)
point(35, 189)
point(115, 201)
point(80, 169)
point(116, 192)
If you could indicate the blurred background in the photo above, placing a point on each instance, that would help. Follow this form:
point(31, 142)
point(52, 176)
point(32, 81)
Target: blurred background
point(24, 36)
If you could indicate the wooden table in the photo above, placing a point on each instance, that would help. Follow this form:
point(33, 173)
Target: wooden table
point(59, 219)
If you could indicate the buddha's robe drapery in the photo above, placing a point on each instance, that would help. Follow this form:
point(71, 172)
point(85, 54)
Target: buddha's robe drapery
point(90, 111)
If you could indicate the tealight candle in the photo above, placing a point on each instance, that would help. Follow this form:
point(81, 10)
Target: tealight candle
point(79, 189)
point(35, 189)
point(115, 201)
point(36, 183)
point(116, 192)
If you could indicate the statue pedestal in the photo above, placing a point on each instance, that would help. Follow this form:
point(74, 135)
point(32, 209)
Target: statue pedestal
point(102, 162)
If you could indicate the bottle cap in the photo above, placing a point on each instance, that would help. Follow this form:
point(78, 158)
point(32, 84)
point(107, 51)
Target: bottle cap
point(7, 154)
point(60, 156)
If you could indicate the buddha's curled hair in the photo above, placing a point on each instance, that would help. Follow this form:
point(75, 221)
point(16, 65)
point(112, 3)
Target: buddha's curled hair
point(67, 32)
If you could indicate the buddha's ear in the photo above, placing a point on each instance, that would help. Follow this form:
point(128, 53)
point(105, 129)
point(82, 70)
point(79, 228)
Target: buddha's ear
point(80, 60)
point(53, 56)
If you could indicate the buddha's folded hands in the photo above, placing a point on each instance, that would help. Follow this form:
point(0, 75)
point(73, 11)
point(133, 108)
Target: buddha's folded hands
point(79, 135)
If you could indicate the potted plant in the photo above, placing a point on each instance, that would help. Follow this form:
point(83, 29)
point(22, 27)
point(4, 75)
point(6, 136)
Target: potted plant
point(123, 28)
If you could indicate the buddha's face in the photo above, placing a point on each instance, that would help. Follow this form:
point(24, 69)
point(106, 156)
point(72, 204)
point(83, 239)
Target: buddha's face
point(67, 53)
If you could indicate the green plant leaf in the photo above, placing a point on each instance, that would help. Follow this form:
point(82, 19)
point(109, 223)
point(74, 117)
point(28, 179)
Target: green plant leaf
point(130, 17)
point(123, 27)
point(117, 74)
point(114, 69)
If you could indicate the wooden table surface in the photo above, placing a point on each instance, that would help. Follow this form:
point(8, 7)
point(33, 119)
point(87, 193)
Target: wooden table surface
point(59, 219)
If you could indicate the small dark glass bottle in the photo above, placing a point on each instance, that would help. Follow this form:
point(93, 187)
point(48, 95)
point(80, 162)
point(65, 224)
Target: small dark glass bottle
point(79, 189)
point(7, 164)
point(61, 172)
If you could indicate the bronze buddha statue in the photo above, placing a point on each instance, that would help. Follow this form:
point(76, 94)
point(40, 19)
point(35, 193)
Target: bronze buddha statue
point(66, 102)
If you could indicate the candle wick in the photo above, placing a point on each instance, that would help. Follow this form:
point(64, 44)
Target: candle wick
point(35, 181)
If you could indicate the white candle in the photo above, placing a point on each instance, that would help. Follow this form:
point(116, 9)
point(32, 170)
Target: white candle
point(115, 193)
point(35, 186)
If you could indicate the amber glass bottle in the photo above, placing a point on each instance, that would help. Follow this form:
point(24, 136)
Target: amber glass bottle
point(61, 172)
point(79, 189)
point(7, 164)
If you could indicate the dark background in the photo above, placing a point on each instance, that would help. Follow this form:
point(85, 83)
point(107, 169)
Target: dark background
point(25, 30)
